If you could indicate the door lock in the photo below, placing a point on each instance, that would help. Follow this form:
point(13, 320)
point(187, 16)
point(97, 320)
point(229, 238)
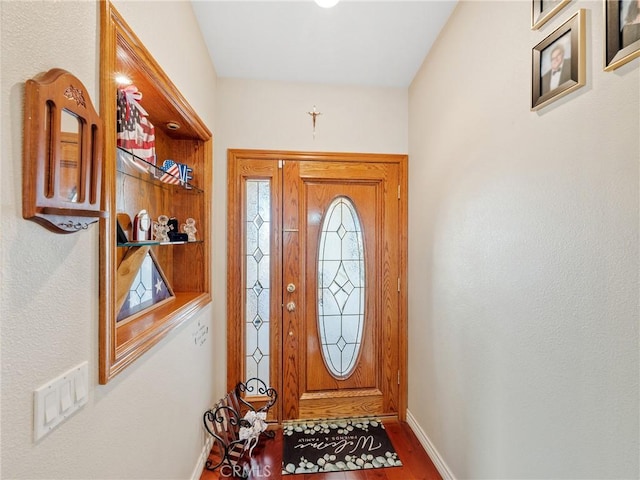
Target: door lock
point(291, 288)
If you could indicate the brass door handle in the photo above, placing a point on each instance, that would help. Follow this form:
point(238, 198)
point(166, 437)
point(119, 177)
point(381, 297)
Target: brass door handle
point(291, 306)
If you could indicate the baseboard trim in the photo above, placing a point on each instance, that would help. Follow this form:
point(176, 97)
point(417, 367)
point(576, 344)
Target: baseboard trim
point(202, 458)
point(432, 451)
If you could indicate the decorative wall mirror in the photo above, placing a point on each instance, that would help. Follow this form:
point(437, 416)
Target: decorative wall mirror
point(62, 161)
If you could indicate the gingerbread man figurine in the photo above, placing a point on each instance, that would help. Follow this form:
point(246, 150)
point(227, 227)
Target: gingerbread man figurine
point(190, 229)
point(161, 229)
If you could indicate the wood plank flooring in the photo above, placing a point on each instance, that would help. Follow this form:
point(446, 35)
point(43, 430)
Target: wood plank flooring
point(267, 461)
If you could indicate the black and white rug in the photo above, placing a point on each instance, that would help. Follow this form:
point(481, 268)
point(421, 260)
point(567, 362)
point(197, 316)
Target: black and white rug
point(336, 445)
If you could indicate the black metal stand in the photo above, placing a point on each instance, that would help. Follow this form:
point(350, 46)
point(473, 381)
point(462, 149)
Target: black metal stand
point(223, 422)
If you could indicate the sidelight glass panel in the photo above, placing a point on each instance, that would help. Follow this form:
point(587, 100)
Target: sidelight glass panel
point(341, 283)
point(258, 280)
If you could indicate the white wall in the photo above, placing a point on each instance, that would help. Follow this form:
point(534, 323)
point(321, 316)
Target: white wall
point(523, 247)
point(146, 423)
point(272, 116)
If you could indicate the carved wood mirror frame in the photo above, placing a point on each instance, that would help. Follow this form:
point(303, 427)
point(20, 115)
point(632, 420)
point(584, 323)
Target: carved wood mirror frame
point(62, 156)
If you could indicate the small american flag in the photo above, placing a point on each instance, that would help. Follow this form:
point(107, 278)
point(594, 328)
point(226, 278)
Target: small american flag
point(171, 172)
point(148, 288)
point(135, 132)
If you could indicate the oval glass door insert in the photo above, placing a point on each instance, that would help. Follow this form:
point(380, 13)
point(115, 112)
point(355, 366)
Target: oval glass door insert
point(341, 287)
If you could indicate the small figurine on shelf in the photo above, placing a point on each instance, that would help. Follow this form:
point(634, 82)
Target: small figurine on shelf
point(174, 233)
point(142, 226)
point(173, 226)
point(161, 229)
point(190, 229)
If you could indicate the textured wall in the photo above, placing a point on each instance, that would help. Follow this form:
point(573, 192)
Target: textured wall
point(49, 282)
point(523, 247)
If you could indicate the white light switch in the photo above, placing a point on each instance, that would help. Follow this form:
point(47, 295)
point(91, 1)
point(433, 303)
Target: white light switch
point(65, 396)
point(80, 387)
point(50, 405)
point(58, 399)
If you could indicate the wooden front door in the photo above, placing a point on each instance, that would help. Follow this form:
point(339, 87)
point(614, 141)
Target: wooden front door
point(335, 306)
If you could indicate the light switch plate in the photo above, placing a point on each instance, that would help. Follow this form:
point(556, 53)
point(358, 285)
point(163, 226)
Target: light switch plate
point(57, 400)
point(51, 402)
point(65, 396)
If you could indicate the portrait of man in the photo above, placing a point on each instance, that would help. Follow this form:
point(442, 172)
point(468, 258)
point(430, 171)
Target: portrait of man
point(629, 22)
point(556, 64)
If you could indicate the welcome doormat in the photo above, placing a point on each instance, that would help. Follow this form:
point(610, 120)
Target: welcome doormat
point(336, 445)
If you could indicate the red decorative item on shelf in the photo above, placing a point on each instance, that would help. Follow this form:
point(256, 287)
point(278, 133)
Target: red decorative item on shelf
point(142, 226)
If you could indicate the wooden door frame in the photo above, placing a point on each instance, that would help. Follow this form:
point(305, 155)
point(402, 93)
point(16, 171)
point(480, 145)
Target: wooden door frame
point(235, 229)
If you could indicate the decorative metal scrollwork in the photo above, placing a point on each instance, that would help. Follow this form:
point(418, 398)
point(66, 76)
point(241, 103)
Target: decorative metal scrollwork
point(262, 389)
point(224, 421)
point(73, 226)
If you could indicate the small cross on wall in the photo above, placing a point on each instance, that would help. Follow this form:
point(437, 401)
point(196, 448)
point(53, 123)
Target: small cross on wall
point(314, 114)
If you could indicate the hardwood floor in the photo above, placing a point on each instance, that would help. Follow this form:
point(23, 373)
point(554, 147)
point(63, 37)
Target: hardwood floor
point(267, 461)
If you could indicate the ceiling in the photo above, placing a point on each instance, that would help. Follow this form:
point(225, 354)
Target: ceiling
point(357, 42)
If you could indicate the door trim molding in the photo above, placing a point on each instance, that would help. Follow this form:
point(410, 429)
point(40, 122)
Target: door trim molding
point(234, 298)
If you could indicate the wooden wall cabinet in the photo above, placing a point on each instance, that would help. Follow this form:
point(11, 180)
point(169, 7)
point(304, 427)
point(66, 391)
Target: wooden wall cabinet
point(127, 190)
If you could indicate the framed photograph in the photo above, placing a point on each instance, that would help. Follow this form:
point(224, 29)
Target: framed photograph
point(622, 32)
point(543, 10)
point(558, 62)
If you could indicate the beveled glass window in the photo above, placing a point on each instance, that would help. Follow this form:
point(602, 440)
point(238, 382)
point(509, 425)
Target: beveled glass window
point(257, 261)
point(341, 287)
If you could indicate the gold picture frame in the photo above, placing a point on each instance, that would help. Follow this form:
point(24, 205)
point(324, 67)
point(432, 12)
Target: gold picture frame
point(622, 32)
point(543, 10)
point(558, 62)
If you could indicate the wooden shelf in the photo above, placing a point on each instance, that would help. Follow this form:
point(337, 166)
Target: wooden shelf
point(153, 242)
point(131, 186)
